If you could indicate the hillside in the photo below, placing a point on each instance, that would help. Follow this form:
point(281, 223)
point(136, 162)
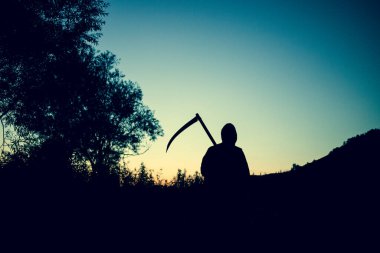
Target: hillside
point(358, 158)
point(331, 200)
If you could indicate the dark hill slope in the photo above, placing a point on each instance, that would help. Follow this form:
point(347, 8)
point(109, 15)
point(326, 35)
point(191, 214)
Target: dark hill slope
point(355, 166)
point(331, 200)
point(358, 157)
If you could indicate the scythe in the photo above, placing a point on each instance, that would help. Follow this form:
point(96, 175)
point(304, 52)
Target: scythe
point(192, 121)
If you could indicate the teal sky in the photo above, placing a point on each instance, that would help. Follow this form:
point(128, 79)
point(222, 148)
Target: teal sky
point(296, 78)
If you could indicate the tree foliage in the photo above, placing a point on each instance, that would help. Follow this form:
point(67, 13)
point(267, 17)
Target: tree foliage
point(55, 86)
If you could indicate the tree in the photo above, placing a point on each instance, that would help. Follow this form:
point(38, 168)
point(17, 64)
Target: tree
point(42, 47)
point(55, 87)
point(111, 117)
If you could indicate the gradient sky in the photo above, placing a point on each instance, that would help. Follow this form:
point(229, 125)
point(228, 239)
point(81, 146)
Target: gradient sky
point(296, 78)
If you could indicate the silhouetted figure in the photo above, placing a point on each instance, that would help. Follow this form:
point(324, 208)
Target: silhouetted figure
point(226, 173)
point(225, 163)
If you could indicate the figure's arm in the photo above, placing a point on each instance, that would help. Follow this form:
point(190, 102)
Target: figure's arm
point(244, 165)
point(205, 164)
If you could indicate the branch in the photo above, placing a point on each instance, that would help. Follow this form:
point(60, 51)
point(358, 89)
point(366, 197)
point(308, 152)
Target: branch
point(136, 154)
point(3, 131)
point(2, 115)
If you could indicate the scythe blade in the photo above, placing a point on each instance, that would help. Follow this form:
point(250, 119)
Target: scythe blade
point(192, 121)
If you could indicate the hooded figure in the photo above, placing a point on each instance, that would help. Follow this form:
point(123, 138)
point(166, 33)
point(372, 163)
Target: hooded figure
point(226, 174)
point(225, 164)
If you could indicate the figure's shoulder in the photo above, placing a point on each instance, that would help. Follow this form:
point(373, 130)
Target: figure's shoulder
point(224, 148)
point(215, 148)
point(237, 149)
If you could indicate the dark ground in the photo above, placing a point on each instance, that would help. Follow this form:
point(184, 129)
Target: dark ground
point(178, 219)
point(329, 205)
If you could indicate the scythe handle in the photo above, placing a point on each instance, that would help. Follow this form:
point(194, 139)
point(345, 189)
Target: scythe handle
point(205, 128)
